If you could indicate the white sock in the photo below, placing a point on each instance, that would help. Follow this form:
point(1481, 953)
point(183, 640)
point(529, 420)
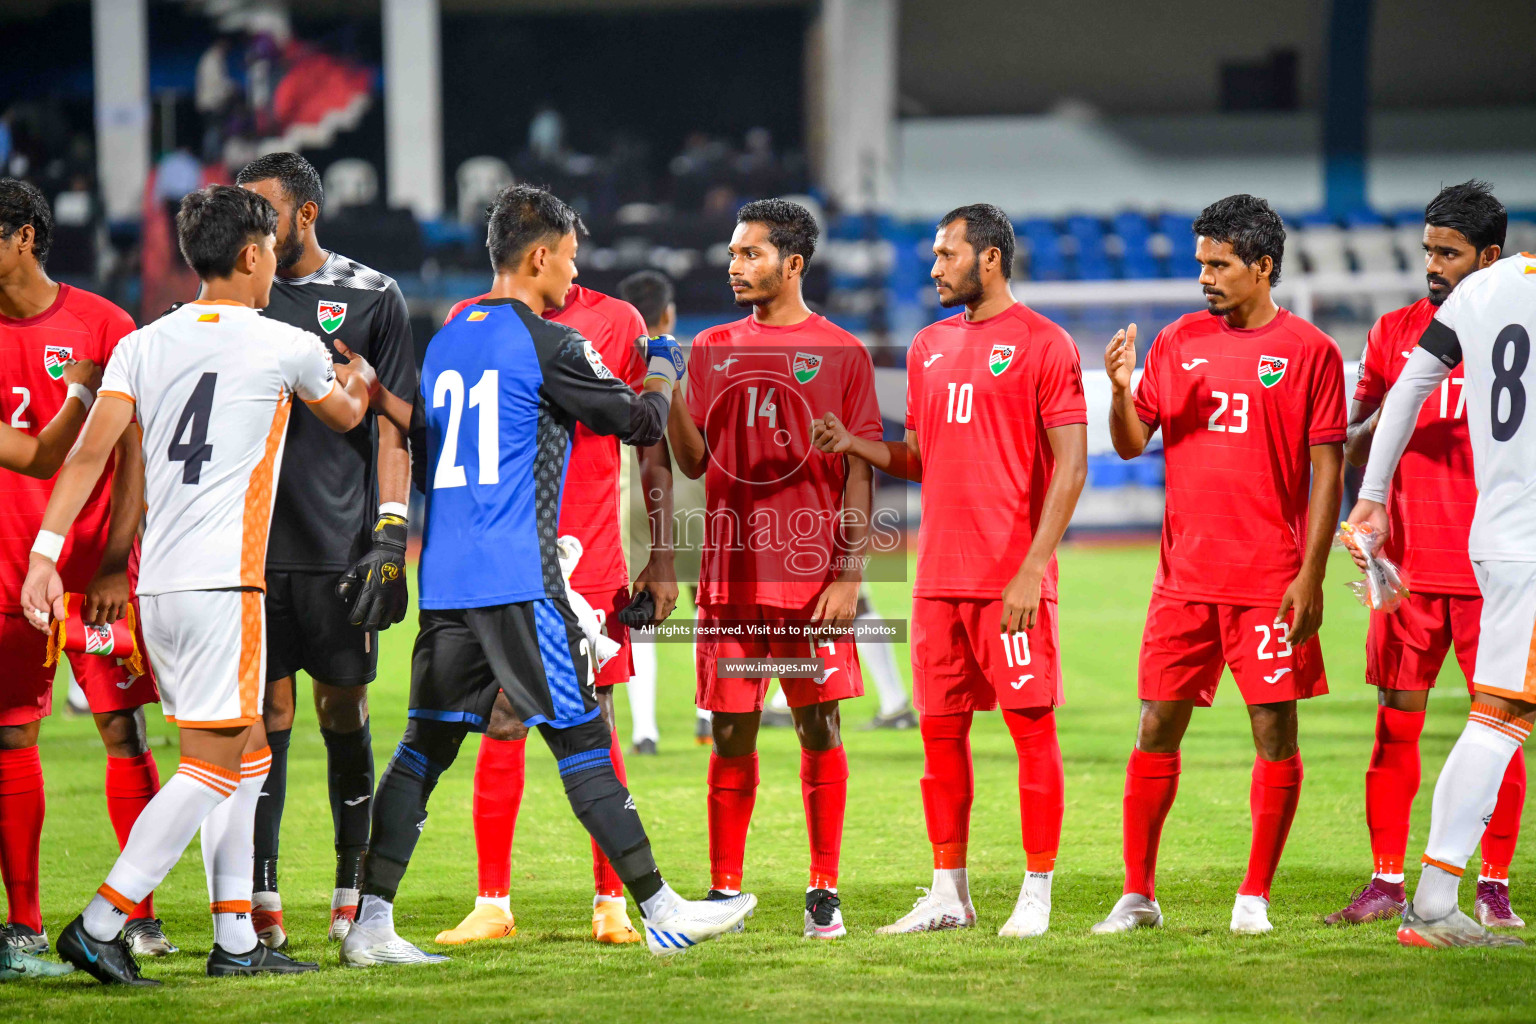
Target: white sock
point(600, 899)
point(376, 913)
point(228, 851)
point(344, 898)
point(702, 714)
point(1038, 885)
point(504, 902)
point(660, 906)
point(879, 661)
point(779, 702)
point(1500, 881)
point(1390, 879)
point(159, 837)
point(1465, 796)
point(642, 694)
point(952, 885)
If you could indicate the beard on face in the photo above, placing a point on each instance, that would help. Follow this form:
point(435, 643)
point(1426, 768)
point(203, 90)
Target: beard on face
point(967, 291)
point(1439, 288)
point(764, 289)
point(291, 249)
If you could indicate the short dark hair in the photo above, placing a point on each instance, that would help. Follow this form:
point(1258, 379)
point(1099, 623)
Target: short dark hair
point(298, 176)
point(520, 217)
point(986, 227)
point(21, 203)
point(649, 291)
point(1249, 226)
point(1472, 209)
point(791, 228)
point(216, 222)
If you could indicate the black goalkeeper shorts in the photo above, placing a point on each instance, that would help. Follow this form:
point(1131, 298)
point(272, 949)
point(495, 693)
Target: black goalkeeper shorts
point(308, 630)
point(533, 651)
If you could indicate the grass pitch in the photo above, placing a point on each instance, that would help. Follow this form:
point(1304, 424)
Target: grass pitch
point(1194, 969)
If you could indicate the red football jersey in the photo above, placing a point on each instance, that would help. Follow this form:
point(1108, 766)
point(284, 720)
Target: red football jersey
point(78, 325)
point(771, 500)
point(1239, 411)
point(589, 504)
point(980, 397)
point(1433, 494)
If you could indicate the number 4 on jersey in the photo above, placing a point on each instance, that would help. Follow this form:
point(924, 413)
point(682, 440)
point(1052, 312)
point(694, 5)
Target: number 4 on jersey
point(195, 450)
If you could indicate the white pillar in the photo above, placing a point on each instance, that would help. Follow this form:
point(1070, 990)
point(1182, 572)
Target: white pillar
point(852, 91)
point(413, 105)
point(120, 54)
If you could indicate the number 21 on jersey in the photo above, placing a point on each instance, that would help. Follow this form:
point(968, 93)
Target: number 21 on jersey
point(484, 396)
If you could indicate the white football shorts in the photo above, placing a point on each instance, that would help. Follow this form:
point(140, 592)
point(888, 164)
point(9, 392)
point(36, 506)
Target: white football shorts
point(1506, 658)
point(209, 649)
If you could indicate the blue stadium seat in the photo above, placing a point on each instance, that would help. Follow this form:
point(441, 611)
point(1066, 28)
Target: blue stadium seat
point(1046, 260)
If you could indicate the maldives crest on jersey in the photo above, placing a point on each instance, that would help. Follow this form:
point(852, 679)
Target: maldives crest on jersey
point(1000, 358)
point(55, 358)
point(805, 366)
point(1271, 369)
point(98, 639)
point(331, 315)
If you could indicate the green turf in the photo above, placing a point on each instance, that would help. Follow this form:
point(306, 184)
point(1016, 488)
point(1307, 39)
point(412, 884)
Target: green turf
point(1193, 969)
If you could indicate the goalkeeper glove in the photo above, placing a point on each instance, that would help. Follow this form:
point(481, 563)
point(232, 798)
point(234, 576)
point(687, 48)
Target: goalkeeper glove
point(375, 586)
point(664, 359)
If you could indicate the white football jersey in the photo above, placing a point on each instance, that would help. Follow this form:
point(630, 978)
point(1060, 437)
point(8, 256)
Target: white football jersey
point(1492, 314)
point(213, 384)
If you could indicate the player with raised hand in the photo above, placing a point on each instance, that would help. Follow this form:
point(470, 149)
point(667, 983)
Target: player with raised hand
point(785, 533)
point(336, 559)
point(43, 326)
point(997, 434)
point(211, 384)
point(590, 508)
point(1485, 327)
point(501, 390)
point(1432, 500)
point(1250, 400)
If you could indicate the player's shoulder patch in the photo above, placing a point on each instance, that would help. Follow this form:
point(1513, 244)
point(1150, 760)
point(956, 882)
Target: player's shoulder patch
point(593, 359)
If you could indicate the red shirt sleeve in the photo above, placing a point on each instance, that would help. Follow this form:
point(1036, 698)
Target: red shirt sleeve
point(914, 368)
point(631, 327)
point(1148, 389)
point(697, 383)
point(1372, 386)
point(1059, 388)
point(1328, 423)
point(458, 307)
point(861, 406)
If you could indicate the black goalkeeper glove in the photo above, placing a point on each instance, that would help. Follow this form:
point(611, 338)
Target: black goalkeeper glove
point(640, 610)
point(375, 586)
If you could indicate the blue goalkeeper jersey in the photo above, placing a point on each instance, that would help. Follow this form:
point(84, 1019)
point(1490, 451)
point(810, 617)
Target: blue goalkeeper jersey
point(501, 389)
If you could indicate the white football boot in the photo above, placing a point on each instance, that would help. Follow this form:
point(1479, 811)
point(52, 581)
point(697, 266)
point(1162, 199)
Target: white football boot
point(372, 941)
point(686, 923)
point(932, 913)
point(1250, 915)
point(1031, 916)
point(1131, 911)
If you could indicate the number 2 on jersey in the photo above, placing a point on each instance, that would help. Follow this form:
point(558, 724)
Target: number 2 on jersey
point(483, 396)
point(195, 450)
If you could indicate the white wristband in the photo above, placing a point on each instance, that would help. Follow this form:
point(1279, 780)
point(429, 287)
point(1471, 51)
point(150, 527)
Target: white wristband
point(394, 508)
point(84, 394)
point(49, 545)
point(661, 368)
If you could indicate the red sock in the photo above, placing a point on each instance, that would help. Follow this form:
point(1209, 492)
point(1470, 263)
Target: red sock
point(1504, 827)
point(498, 795)
point(1151, 782)
point(21, 833)
point(824, 788)
point(948, 786)
point(604, 880)
point(1391, 783)
point(131, 783)
point(732, 792)
point(1042, 784)
point(1273, 797)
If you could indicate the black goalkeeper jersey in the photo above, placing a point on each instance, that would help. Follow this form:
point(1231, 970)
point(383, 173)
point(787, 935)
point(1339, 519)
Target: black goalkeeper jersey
point(328, 493)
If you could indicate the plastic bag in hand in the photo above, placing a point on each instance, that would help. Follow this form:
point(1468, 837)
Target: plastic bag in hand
point(1383, 589)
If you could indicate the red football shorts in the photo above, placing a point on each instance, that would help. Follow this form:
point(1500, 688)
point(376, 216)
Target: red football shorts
point(26, 695)
point(607, 604)
point(1404, 650)
point(1186, 643)
point(962, 660)
point(840, 677)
